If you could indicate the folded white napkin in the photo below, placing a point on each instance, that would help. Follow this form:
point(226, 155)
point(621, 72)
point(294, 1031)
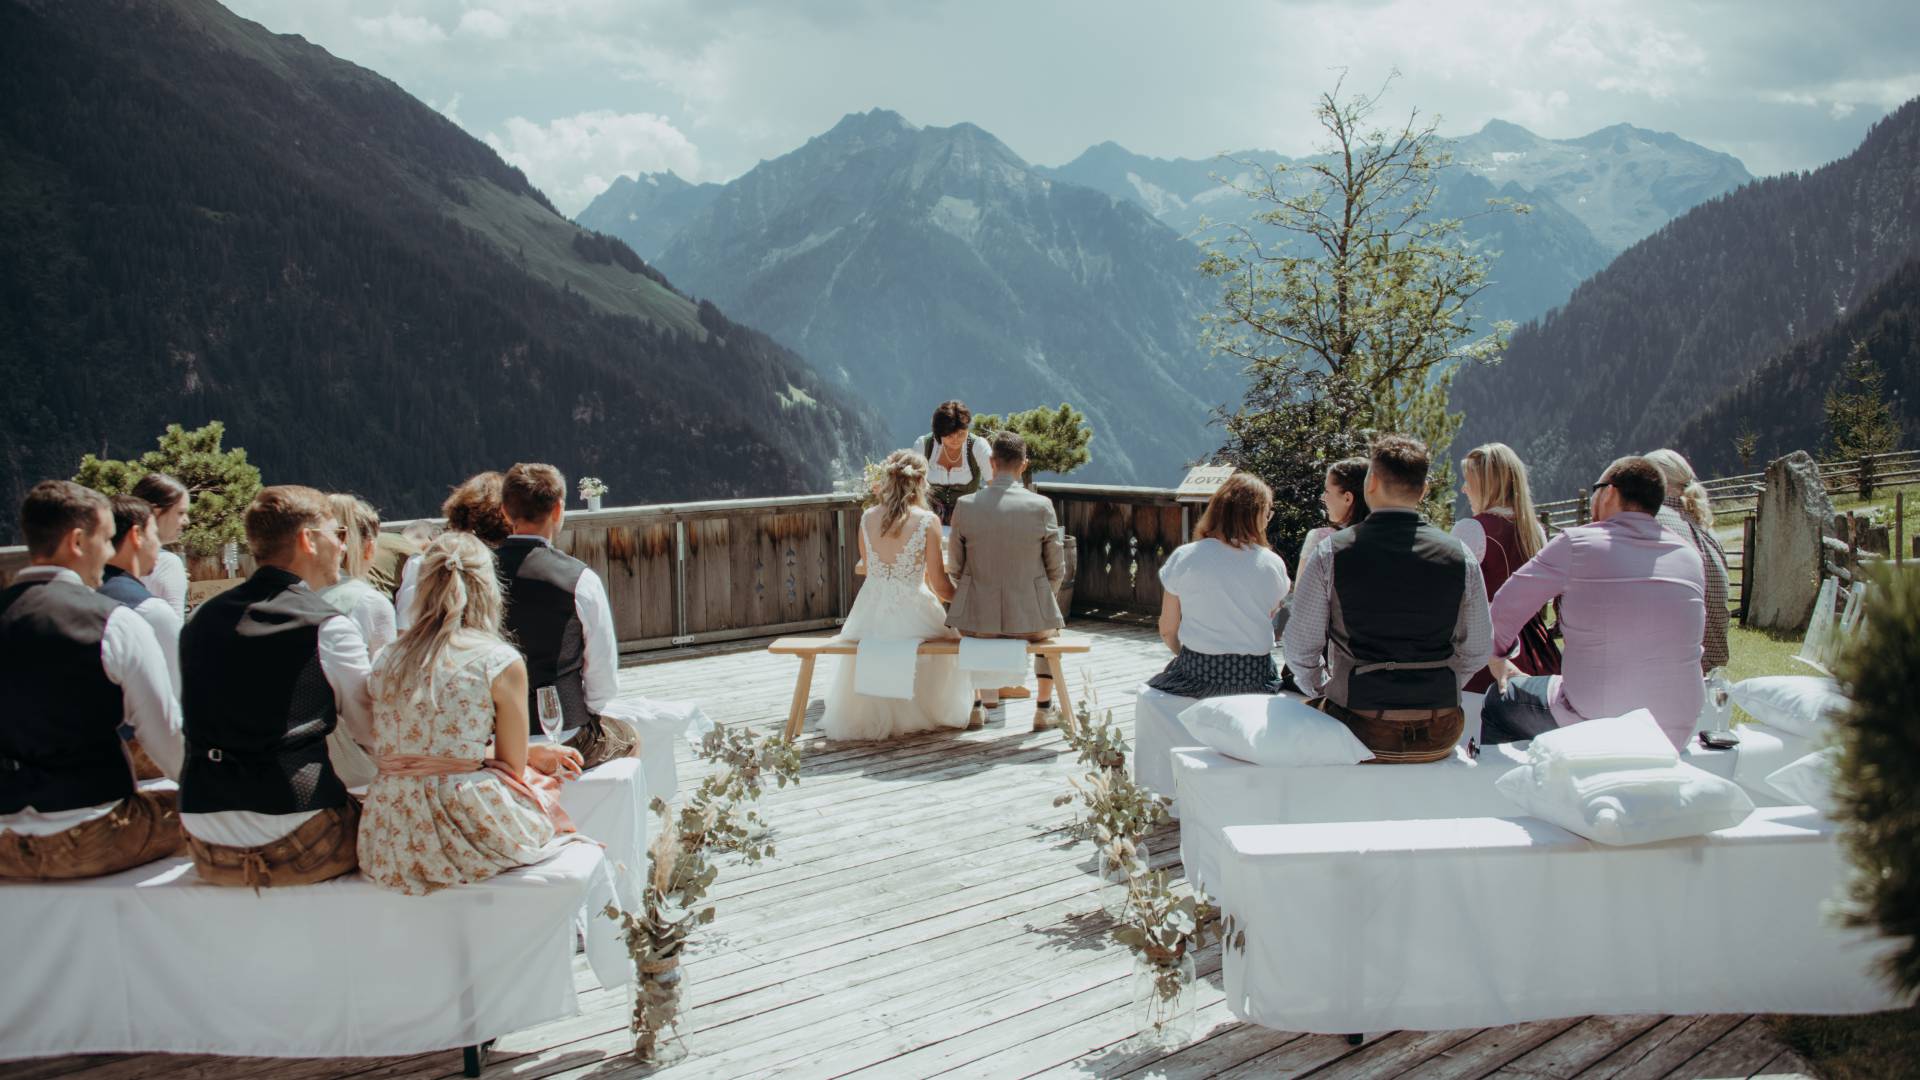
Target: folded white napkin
point(994, 662)
point(884, 667)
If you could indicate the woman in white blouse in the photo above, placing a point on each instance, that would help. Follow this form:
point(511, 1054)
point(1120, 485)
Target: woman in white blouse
point(958, 461)
point(170, 502)
point(353, 594)
point(1221, 591)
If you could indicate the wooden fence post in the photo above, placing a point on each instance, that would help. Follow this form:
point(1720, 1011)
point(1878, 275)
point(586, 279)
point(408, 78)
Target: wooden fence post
point(1583, 496)
point(1749, 536)
point(1899, 527)
point(1866, 478)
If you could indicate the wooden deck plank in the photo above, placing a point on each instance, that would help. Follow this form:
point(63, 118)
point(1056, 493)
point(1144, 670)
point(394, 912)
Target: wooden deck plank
point(926, 915)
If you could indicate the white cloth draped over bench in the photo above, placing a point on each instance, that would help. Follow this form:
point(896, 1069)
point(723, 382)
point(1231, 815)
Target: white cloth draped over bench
point(154, 960)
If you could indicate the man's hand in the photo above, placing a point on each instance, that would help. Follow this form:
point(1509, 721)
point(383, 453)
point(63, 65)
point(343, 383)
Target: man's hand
point(559, 762)
point(1502, 670)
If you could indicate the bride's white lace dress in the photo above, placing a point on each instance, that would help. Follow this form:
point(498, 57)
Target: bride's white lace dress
point(895, 603)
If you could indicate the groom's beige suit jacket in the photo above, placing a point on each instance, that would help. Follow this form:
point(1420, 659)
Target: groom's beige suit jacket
point(1005, 557)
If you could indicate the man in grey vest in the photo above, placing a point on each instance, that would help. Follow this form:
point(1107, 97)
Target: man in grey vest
point(1389, 617)
point(559, 614)
point(76, 666)
point(1006, 558)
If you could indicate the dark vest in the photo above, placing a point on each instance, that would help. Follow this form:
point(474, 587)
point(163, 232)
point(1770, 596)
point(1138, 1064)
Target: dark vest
point(119, 585)
point(60, 743)
point(1397, 586)
point(539, 583)
point(256, 702)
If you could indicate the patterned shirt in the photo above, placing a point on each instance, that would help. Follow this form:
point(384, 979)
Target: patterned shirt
point(1713, 558)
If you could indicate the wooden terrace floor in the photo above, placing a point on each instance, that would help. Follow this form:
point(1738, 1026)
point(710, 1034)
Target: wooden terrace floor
point(926, 916)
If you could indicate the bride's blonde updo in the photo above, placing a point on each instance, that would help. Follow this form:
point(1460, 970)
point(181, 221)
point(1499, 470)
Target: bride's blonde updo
point(901, 486)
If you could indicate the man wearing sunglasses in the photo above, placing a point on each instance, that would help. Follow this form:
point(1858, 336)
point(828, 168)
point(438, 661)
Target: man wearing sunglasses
point(268, 671)
point(1633, 606)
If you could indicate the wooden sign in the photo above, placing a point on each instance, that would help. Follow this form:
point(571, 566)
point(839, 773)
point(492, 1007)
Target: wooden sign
point(1202, 481)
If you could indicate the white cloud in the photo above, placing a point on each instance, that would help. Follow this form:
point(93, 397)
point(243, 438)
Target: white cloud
point(574, 158)
point(482, 23)
point(402, 29)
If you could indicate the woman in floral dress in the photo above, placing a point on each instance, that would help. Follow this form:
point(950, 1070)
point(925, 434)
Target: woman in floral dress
point(452, 804)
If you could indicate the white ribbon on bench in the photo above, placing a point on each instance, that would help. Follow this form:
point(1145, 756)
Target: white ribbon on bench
point(994, 662)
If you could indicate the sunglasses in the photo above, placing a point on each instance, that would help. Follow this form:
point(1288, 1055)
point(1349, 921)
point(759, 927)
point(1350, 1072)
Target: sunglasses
point(1601, 484)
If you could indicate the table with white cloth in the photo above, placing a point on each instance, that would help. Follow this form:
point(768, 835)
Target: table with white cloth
point(1478, 921)
point(155, 960)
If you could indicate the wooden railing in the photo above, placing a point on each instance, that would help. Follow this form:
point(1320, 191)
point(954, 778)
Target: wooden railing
point(694, 573)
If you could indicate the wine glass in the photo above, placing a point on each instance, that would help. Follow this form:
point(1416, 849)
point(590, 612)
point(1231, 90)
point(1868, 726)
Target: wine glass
point(552, 720)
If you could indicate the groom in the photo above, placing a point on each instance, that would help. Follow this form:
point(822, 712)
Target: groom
point(1006, 558)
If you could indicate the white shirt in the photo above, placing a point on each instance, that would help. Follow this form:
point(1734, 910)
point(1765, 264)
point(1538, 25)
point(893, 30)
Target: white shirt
point(169, 581)
point(369, 609)
point(403, 596)
point(600, 667)
point(344, 662)
point(132, 660)
point(165, 624)
point(1227, 596)
point(961, 474)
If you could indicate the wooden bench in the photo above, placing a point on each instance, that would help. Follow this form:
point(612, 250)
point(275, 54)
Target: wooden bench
point(808, 649)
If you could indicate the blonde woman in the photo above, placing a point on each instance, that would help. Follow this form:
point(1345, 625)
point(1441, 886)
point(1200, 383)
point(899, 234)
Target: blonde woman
point(1502, 535)
point(1689, 514)
point(900, 601)
point(452, 804)
point(353, 594)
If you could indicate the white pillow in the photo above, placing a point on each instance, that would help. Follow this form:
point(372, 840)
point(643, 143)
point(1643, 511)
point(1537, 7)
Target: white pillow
point(1809, 781)
point(1633, 741)
point(1271, 729)
point(1800, 704)
point(1622, 807)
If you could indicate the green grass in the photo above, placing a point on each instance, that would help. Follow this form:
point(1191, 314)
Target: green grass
point(1869, 1047)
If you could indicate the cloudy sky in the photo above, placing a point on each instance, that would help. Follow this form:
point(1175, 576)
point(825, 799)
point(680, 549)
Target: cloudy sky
point(577, 92)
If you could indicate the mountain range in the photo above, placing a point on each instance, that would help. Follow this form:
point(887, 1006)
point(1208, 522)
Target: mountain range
point(204, 219)
point(918, 264)
point(1660, 347)
point(1590, 198)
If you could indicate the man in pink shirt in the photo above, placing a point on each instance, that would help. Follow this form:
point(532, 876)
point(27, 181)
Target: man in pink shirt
point(1632, 610)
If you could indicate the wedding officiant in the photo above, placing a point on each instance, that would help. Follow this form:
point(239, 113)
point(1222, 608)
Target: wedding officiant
point(958, 461)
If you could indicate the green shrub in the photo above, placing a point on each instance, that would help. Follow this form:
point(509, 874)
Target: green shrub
point(1056, 438)
point(1878, 787)
point(220, 482)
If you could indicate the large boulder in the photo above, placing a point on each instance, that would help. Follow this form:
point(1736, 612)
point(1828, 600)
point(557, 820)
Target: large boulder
point(1794, 511)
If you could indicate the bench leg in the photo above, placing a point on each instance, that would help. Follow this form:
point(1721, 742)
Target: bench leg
point(1062, 697)
point(802, 690)
point(474, 1058)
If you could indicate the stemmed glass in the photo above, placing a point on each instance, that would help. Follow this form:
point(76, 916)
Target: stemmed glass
point(552, 720)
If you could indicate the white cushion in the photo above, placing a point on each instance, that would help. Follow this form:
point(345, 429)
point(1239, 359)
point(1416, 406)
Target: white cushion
point(1809, 780)
point(1621, 807)
point(1632, 741)
point(1273, 730)
point(1799, 704)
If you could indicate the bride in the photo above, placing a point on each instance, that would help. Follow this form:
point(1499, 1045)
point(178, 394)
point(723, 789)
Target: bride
point(906, 582)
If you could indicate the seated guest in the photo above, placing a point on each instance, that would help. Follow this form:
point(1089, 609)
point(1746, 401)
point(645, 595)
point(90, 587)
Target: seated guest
point(1390, 617)
point(1343, 496)
point(136, 547)
point(1688, 512)
point(391, 552)
point(452, 804)
point(558, 613)
point(74, 667)
point(170, 501)
point(1221, 591)
point(1502, 535)
point(350, 591)
point(1632, 608)
point(473, 507)
point(270, 670)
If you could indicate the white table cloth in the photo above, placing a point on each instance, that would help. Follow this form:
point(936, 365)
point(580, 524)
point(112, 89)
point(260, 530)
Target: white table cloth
point(660, 724)
point(609, 804)
point(1483, 921)
point(154, 960)
point(1156, 731)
